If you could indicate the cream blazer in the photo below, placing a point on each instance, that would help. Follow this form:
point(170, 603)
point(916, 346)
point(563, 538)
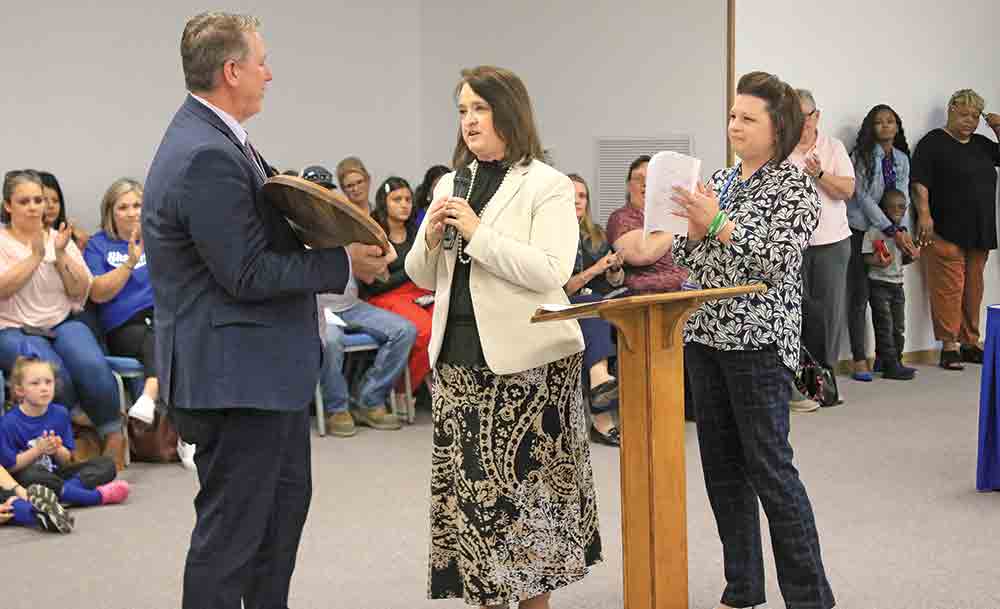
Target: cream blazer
point(522, 254)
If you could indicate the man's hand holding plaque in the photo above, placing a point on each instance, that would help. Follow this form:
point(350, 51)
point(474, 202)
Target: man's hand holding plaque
point(369, 262)
point(325, 218)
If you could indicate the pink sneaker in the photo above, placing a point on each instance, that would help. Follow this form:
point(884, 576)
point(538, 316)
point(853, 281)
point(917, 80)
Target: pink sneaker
point(113, 492)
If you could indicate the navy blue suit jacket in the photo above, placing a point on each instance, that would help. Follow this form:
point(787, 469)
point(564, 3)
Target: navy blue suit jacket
point(234, 288)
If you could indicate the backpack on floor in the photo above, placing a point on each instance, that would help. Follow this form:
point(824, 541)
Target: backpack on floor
point(816, 382)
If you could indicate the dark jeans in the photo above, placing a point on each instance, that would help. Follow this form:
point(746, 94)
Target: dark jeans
point(135, 338)
point(92, 473)
point(857, 296)
point(824, 283)
point(889, 318)
point(598, 344)
point(256, 483)
point(741, 405)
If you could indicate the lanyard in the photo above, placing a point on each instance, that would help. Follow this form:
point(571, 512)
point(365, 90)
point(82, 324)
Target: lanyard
point(725, 196)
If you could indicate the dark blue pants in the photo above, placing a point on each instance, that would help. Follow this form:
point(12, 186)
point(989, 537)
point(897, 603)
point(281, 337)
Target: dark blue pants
point(741, 405)
point(256, 484)
point(597, 343)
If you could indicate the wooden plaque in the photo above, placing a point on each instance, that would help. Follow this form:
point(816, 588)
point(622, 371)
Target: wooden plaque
point(323, 218)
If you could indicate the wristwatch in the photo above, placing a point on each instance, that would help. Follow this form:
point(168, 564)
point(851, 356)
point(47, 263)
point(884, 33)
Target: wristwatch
point(890, 231)
point(819, 176)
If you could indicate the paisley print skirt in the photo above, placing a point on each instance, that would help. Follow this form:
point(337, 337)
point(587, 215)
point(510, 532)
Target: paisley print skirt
point(513, 507)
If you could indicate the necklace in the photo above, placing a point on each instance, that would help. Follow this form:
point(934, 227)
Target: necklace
point(462, 256)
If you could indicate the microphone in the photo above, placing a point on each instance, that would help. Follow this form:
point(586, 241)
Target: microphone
point(463, 182)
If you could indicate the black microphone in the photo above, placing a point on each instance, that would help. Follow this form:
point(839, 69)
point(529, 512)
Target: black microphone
point(463, 182)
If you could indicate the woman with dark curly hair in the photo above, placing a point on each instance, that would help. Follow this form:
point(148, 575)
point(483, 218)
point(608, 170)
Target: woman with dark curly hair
point(881, 160)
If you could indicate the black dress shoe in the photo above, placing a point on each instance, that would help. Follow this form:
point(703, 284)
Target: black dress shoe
point(972, 354)
point(951, 360)
point(612, 438)
point(602, 395)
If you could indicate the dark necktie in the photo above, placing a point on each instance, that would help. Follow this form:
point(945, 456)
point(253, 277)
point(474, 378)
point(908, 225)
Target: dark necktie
point(252, 154)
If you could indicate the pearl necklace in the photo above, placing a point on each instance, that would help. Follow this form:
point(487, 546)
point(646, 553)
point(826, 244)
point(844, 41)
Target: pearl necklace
point(462, 256)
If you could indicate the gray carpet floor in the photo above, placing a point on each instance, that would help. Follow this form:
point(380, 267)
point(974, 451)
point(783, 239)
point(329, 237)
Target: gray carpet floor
point(891, 475)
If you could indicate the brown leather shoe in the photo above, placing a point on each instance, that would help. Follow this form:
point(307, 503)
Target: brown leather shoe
point(340, 424)
point(114, 447)
point(88, 444)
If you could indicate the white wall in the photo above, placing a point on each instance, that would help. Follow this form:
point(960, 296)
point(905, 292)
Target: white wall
point(910, 54)
point(642, 68)
point(88, 88)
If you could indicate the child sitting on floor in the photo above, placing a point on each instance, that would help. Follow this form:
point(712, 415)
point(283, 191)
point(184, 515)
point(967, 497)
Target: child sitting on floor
point(36, 439)
point(32, 507)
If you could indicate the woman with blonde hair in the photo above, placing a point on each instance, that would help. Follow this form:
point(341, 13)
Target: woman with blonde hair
point(598, 272)
point(954, 183)
point(122, 289)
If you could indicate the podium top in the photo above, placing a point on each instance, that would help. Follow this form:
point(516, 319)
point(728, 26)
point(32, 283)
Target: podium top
point(693, 298)
point(322, 217)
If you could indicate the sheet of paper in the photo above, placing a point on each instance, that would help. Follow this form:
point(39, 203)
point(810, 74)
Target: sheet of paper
point(666, 170)
point(555, 308)
point(332, 318)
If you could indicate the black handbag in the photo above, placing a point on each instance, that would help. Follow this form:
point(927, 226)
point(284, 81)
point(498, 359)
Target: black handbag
point(816, 382)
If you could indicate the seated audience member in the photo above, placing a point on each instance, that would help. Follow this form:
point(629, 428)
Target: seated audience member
point(649, 263)
point(424, 195)
point(398, 294)
point(597, 272)
point(347, 312)
point(35, 507)
point(36, 440)
point(124, 295)
point(885, 285)
point(42, 279)
point(55, 209)
point(954, 192)
point(881, 160)
point(355, 181)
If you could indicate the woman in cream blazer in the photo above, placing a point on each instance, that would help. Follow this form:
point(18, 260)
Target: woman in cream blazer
point(513, 509)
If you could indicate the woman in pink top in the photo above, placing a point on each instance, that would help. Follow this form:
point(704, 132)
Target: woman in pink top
point(42, 280)
point(824, 265)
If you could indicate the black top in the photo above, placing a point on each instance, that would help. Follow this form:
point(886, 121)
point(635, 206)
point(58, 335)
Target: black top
point(461, 345)
point(962, 181)
point(397, 268)
point(587, 256)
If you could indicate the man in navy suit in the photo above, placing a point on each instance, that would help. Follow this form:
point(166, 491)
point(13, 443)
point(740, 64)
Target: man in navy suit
point(236, 342)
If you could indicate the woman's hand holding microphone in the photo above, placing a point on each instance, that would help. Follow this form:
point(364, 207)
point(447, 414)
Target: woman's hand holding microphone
point(449, 211)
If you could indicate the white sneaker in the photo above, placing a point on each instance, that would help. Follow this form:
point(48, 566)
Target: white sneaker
point(186, 453)
point(805, 405)
point(144, 410)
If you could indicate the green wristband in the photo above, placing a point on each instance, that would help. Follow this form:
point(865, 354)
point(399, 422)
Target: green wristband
point(717, 223)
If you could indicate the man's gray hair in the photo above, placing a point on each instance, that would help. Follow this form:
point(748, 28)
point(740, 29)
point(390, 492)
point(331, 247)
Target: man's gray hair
point(807, 96)
point(209, 41)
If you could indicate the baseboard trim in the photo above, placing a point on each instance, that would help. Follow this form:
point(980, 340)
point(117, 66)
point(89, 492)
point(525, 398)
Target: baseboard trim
point(928, 357)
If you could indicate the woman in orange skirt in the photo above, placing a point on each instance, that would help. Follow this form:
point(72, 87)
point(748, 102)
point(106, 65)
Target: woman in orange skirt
point(393, 212)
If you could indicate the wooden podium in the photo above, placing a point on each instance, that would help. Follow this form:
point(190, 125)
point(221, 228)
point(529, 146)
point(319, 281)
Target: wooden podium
point(651, 386)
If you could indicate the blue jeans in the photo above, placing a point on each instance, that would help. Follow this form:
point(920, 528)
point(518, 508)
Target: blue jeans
point(83, 376)
point(390, 359)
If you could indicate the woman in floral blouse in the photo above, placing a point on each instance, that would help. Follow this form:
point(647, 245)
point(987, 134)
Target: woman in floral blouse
point(752, 225)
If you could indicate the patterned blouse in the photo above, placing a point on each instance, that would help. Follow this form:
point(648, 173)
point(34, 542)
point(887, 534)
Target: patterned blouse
point(775, 213)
